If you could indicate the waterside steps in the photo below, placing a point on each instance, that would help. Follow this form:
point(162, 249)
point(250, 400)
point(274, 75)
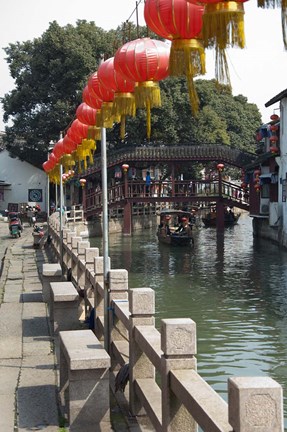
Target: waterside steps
point(164, 390)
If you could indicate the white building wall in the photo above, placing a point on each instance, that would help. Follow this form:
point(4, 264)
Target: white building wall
point(282, 162)
point(23, 177)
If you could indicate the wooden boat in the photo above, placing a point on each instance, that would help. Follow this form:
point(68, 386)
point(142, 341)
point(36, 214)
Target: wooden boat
point(230, 218)
point(175, 228)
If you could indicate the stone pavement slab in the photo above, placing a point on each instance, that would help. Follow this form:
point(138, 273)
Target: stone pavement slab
point(11, 331)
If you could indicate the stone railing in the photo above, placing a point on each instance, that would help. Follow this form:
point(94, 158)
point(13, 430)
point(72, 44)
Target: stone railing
point(163, 382)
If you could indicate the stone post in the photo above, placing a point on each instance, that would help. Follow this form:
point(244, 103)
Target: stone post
point(178, 343)
point(142, 309)
point(255, 404)
point(70, 235)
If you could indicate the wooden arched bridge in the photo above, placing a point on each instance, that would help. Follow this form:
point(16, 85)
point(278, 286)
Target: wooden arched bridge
point(126, 192)
point(146, 155)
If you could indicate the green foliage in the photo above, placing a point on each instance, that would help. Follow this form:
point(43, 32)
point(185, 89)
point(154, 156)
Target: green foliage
point(51, 72)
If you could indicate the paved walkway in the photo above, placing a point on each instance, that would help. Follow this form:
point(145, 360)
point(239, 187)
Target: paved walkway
point(28, 379)
point(29, 398)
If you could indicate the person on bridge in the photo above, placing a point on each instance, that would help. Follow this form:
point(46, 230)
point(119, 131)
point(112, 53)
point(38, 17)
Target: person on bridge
point(147, 182)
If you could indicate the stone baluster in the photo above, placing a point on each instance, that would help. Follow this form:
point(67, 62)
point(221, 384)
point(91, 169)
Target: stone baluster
point(118, 287)
point(74, 247)
point(99, 295)
point(142, 309)
point(70, 235)
point(90, 255)
point(65, 254)
point(255, 404)
point(178, 343)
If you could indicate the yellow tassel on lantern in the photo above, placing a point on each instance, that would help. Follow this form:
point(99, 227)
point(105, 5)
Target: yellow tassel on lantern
point(89, 146)
point(187, 57)
point(105, 117)
point(147, 94)
point(124, 104)
point(94, 133)
point(68, 162)
point(223, 27)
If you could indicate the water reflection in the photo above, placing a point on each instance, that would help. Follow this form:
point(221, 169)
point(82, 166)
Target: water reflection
point(232, 286)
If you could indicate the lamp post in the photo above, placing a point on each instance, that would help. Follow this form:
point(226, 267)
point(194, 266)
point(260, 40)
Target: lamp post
point(127, 228)
point(83, 184)
point(50, 148)
point(105, 238)
point(219, 204)
point(125, 168)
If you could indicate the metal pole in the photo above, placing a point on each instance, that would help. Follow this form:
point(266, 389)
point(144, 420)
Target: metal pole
point(105, 237)
point(56, 196)
point(48, 199)
point(61, 215)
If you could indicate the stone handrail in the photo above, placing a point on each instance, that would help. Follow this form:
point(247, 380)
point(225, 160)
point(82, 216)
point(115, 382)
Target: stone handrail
point(183, 399)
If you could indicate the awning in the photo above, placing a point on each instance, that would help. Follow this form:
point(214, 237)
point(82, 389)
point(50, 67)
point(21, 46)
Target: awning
point(3, 183)
point(269, 178)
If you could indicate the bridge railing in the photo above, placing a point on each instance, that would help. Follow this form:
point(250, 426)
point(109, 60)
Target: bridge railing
point(163, 382)
point(137, 189)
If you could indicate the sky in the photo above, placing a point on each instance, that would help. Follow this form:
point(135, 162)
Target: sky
point(259, 71)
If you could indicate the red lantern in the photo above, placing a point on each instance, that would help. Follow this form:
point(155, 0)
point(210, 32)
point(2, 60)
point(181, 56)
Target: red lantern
point(105, 117)
point(86, 114)
point(274, 117)
point(58, 149)
point(91, 99)
point(125, 168)
point(124, 98)
point(83, 182)
point(220, 167)
point(257, 187)
point(46, 166)
point(273, 138)
point(69, 145)
point(144, 61)
point(180, 22)
point(274, 128)
point(274, 149)
point(77, 131)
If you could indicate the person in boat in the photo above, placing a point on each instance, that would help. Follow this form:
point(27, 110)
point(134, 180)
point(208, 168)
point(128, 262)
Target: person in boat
point(184, 227)
point(164, 226)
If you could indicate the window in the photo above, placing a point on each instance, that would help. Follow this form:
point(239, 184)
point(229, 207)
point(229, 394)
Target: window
point(265, 190)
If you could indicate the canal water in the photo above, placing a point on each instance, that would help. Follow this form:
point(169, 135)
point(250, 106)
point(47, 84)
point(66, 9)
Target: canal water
point(233, 286)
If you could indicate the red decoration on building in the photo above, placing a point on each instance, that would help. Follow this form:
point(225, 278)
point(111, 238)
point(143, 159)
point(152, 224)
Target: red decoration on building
point(274, 117)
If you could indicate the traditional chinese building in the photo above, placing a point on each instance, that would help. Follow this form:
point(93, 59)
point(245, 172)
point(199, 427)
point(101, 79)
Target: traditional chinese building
point(267, 176)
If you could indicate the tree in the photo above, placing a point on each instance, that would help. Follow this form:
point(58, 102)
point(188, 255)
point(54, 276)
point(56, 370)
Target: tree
point(222, 118)
point(50, 73)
